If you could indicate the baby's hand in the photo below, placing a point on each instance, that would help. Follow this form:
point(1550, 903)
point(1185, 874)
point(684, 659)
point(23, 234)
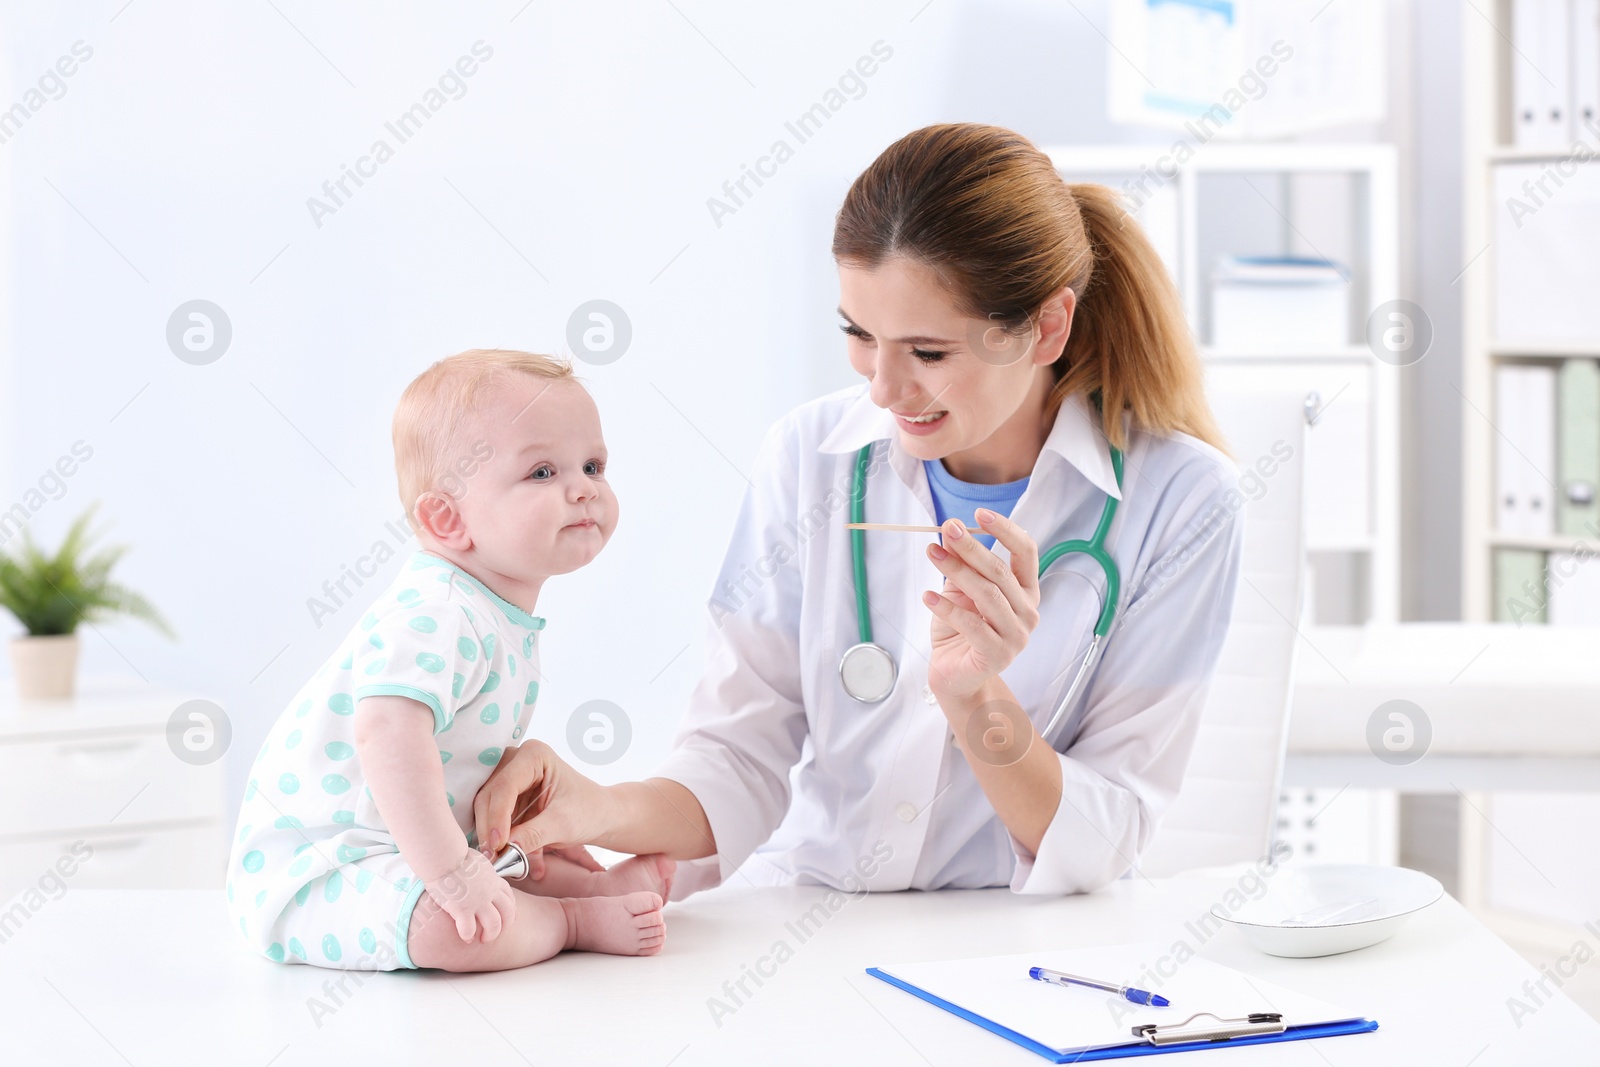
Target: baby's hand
point(475, 897)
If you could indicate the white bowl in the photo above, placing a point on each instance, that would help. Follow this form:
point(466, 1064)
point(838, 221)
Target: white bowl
point(1322, 909)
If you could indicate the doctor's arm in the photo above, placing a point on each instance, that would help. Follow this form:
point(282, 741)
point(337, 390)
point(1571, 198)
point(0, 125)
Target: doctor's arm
point(721, 792)
point(1079, 819)
point(982, 621)
point(1142, 709)
point(570, 810)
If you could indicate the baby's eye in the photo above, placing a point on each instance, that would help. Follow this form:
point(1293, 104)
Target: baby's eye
point(594, 468)
point(543, 472)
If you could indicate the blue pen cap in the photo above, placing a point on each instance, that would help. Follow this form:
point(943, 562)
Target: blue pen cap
point(1033, 972)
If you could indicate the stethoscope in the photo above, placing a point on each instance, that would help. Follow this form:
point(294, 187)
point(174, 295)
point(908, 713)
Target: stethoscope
point(868, 671)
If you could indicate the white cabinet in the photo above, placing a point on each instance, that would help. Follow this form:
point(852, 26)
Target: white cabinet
point(92, 795)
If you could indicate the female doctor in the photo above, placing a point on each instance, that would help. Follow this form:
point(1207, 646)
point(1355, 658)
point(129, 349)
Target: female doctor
point(1028, 372)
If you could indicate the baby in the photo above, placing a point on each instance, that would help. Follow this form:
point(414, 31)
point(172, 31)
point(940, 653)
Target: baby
point(356, 846)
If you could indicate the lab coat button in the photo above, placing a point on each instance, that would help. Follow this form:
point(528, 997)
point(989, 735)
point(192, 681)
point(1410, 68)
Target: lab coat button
point(906, 812)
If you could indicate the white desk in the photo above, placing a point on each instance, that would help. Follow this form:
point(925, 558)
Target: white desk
point(159, 977)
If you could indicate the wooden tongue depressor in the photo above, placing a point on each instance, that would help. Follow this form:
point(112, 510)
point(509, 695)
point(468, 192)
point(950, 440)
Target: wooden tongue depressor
point(905, 529)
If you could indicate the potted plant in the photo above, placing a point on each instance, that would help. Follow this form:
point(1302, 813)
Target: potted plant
point(51, 595)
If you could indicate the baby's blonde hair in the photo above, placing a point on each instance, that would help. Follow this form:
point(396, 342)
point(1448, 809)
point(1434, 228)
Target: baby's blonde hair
point(435, 407)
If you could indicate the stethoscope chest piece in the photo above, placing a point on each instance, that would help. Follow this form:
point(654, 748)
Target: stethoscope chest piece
point(867, 672)
point(512, 862)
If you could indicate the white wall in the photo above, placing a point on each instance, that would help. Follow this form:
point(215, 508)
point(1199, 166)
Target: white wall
point(577, 165)
point(184, 152)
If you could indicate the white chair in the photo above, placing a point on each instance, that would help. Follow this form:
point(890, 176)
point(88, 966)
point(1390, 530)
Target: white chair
point(1226, 810)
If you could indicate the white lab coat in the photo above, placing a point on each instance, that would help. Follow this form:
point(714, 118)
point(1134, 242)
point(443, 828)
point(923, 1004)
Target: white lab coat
point(878, 795)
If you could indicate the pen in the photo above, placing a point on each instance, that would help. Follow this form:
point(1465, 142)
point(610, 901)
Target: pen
point(1138, 996)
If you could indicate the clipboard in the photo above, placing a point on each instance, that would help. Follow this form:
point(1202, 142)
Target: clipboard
point(1212, 1005)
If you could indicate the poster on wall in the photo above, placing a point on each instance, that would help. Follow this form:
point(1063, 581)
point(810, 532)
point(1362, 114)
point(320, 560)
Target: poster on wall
point(1239, 69)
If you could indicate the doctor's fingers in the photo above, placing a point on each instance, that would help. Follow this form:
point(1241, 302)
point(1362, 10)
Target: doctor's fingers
point(969, 624)
point(1023, 595)
point(1024, 550)
point(547, 830)
point(1009, 613)
point(523, 771)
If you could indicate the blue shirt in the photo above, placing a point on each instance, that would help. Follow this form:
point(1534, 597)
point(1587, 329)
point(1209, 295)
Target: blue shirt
point(954, 497)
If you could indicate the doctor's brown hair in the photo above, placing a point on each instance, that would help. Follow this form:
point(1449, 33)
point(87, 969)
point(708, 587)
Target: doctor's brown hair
point(987, 211)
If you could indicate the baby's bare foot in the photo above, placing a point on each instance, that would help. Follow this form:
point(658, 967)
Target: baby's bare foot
point(638, 874)
point(629, 925)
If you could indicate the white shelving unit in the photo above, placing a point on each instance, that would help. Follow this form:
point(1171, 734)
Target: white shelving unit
point(1349, 375)
point(1486, 128)
point(1486, 859)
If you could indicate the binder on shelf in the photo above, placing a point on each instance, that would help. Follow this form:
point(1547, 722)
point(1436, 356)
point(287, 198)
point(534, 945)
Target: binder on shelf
point(1540, 81)
point(1526, 97)
point(1555, 33)
point(1525, 450)
point(1578, 448)
point(1586, 69)
point(1519, 591)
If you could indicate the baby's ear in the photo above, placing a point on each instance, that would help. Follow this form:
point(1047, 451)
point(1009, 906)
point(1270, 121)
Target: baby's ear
point(440, 519)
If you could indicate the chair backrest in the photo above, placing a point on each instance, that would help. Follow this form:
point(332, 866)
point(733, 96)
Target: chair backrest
point(1226, 810)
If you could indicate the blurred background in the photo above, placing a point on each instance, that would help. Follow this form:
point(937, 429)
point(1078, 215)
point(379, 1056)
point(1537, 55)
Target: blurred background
point(231, 235)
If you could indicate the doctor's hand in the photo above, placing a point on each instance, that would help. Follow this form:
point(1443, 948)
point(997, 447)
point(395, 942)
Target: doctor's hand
point(555, 802)
point(983, 616)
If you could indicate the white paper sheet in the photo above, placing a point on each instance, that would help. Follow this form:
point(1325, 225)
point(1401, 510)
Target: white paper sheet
point(1073, 1019)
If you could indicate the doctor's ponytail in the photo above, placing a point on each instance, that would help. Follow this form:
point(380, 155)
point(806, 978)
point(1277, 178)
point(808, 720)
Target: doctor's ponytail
point(988, 212)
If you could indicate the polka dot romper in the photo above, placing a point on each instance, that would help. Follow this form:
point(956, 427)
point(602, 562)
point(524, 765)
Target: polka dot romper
point(315, 876)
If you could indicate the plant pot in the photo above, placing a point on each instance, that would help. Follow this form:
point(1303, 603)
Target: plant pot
point(45, 667)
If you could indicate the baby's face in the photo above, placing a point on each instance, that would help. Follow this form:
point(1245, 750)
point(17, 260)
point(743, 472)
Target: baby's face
point(540, 505)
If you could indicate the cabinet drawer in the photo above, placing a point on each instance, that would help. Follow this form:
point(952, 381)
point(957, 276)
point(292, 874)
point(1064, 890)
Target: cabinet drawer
point(189, 856)
point(130, 777)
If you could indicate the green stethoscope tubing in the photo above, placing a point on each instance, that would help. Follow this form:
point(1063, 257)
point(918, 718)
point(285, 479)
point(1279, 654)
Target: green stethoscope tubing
point(1094, 548)
point(868, 671)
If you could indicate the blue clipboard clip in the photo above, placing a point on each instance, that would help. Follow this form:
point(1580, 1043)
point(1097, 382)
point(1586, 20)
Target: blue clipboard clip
point(1219, 1029)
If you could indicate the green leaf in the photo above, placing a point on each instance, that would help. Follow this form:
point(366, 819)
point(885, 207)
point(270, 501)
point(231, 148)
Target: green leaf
point(52, 594)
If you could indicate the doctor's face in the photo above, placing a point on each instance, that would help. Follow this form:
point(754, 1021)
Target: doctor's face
point(951, 380)
point(541, 505)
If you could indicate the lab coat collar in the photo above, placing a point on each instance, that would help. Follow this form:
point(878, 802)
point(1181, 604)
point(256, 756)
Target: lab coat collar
point(1076, 437)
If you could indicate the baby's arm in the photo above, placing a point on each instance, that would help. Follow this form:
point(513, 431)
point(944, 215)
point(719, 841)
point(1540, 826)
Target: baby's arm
point(394, 741)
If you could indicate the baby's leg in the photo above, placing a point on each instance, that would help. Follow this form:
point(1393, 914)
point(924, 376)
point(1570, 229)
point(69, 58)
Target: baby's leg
point(636, 874)
point(542, 926)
